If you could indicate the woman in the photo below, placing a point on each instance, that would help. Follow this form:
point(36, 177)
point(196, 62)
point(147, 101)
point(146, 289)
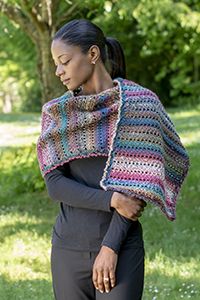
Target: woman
point(97, 244)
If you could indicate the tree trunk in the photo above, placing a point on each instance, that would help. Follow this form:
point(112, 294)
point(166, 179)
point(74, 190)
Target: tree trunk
point(50, 84)
point(39, 20)
point(36, 22)
point(7, 104)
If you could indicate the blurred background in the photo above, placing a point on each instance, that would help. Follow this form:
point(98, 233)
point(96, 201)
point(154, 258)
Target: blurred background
point(161, 41)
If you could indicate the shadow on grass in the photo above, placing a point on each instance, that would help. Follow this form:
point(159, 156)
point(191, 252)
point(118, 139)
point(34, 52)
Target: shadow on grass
point(14, 150)
point(36, 206)
point(35, 289)
point(20, 117)
point(43, 228)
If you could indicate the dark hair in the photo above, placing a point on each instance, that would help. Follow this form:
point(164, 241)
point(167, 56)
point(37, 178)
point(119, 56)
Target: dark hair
point(83, 33)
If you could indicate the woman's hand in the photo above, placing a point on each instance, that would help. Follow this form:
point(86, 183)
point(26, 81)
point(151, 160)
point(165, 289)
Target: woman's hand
point(104, 270)
point(127, 206)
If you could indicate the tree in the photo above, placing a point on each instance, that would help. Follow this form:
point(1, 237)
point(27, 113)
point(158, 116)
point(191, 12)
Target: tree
point(172, 42)
point(19, 81)
point(161, 40)
point(40, 20)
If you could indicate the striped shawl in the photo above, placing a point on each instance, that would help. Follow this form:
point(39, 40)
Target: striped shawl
point(127, 124)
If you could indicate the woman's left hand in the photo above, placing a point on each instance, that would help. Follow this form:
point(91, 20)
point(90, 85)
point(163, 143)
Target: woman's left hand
point(104, 270)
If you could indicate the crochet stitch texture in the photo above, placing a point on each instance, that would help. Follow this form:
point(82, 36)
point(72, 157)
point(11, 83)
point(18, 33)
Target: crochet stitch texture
point(130, 126)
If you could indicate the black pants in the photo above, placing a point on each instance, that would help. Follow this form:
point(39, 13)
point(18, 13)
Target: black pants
point(72, 275)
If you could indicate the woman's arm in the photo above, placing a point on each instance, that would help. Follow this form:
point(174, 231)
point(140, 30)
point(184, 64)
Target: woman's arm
point(104, 267)
point(62, 188)
point(69, 191)
point(126, 211)
point(106, 261)
point(116, 232)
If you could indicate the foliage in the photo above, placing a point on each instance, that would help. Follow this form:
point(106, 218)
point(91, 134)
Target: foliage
point(18, 78)
point(172, 39)
point(21, 169)
point(40, 20)
point(161, 40)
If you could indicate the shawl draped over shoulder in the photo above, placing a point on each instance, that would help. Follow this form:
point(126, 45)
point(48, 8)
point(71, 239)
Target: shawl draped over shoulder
point(129, 125)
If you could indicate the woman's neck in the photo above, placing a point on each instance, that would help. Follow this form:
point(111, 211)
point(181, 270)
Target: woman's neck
point(98, 82)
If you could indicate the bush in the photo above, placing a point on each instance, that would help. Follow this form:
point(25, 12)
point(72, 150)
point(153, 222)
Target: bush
point(20, 171)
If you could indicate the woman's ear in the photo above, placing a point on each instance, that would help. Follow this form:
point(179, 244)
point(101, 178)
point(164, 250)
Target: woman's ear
point(94, 54)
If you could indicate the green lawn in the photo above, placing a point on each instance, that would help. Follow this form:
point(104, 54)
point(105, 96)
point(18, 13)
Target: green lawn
point(27, 217)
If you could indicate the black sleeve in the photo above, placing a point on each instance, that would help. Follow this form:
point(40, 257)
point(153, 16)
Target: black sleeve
point(69, 191)
point(116, 232)
point(61, 188)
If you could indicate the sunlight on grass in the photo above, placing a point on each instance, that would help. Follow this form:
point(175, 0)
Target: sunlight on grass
point(21, 135)
point(22, 131)
point(24, 253)
point(187, 124)
point(191, 138)
point(171, 279)
point(173, 267)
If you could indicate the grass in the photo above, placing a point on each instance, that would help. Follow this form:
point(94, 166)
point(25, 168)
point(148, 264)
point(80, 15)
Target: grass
point(27, 216)
point(18, 129)
point(25, 248)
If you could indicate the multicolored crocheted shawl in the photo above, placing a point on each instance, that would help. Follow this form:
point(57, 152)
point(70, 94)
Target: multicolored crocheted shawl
point(130, 126)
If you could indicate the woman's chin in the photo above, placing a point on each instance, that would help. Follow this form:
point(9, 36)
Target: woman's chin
point(70, 87)
point(75, 89)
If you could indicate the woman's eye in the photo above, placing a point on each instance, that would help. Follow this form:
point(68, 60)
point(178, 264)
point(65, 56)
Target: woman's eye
point(65, 62)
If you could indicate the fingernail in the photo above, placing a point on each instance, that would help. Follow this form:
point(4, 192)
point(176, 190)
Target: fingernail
point(97, 288)
point(107, 291)
point(101, 292)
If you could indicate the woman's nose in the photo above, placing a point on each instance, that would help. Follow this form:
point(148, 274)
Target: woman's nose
point(59, 70)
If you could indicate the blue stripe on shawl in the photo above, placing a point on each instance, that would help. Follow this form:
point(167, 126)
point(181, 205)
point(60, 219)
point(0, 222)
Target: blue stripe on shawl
point(138, 145)
point(149, 187)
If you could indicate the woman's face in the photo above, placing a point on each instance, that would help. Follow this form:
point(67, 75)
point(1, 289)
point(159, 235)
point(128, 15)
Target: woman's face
point(72, 66)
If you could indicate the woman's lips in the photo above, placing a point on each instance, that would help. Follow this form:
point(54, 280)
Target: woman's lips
point(66, 81)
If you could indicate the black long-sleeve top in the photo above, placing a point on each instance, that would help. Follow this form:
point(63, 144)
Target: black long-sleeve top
point(86, 221)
